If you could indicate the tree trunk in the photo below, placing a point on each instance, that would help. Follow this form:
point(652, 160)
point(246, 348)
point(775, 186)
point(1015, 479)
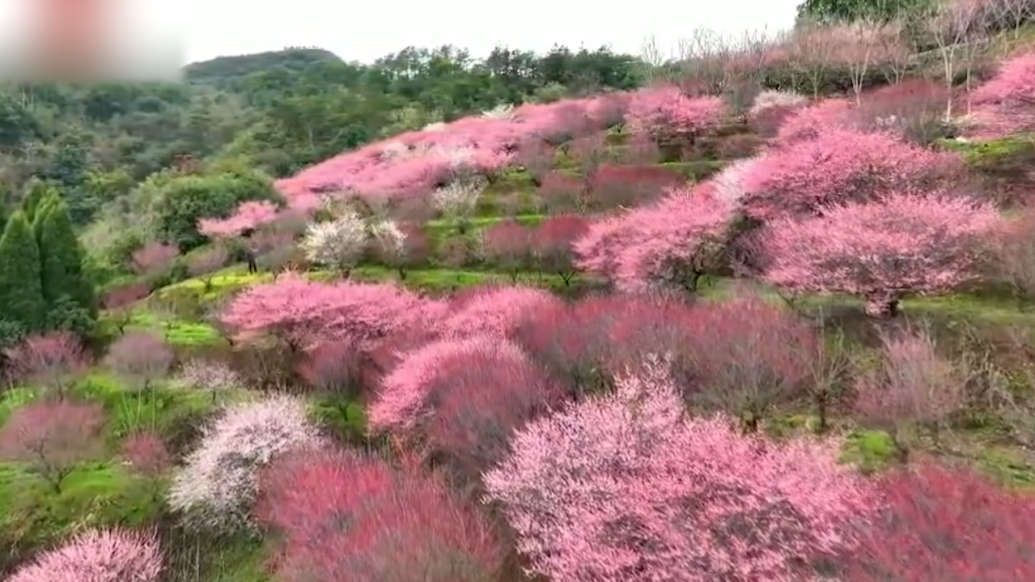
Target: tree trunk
point(882, 305)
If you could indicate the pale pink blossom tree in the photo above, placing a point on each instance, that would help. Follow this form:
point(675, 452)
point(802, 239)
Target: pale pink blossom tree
point(626, 488)
point(154, 259)
point(218, 483)
point(113, 555)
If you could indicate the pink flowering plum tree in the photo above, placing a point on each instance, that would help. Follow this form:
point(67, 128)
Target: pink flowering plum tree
point(671, 118)
point(841, 166)
point(461, 400)
point(52, 361)
point(913, 387)
point(771, 108)
point(146, 453)
point(507, 245)
point(596, 251)
point(1006, 103)
point(624, 487)
point(139, 358)
point(680, 239)
point(204, 263)
point(493, 310)
point(552, 243)
point(615, 186)
point(745, 356)
point(248, 216)
point(807, 123)
point(53, 437)
point(113, 555)
point(303, 313)
point(118, 303)
point(882, 250)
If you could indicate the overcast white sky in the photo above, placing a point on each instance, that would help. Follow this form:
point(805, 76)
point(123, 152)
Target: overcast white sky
point(364, 31)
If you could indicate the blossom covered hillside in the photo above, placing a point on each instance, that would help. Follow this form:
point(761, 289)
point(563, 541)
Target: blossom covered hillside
point(530, 345)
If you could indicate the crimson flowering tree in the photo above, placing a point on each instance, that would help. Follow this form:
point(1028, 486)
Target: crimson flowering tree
point(462, 400)
point(140, 358)
point(913, 386)
point(154, 259)
point(626, 487)
point(622, 186)
point(248, 216)
point(841, 166)
point(508, 246)
point(882, 250)
point(677, 241)
point(639, 150)
point(668, 116)
point(563, 192)
point(112, 555)
point(205, 262)
point(940, 523)
point(54, 361)
point(306, 495)
point(52, 437)
point(343, 515)
point(146, 453)
point(552, 244)
point(118, 303)
point(584, 344)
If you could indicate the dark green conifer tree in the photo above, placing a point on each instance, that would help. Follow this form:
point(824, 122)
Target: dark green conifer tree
point(36, 193)
point(21, 291)
point(61, 257)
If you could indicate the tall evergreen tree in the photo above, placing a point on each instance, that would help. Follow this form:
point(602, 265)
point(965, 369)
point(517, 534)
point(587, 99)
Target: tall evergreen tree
point(37, 218)
point(36, 193)
point(21, 291)
point(61, 258)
